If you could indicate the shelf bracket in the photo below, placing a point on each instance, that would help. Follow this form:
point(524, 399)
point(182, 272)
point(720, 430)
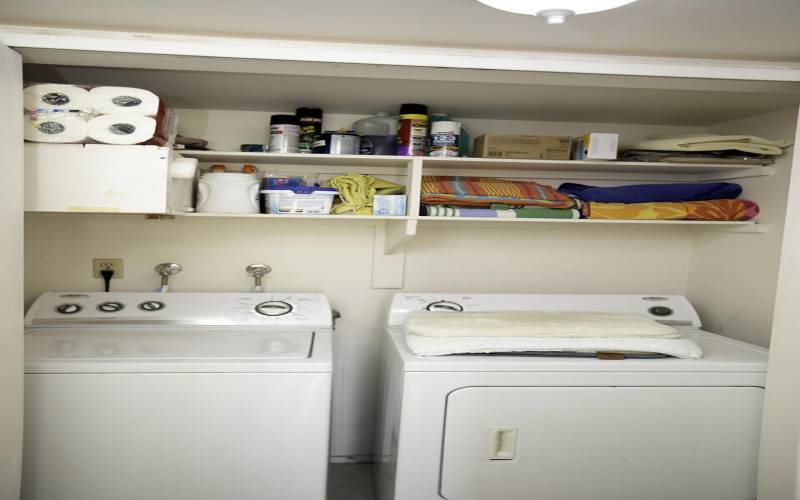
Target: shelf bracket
point(388, 252)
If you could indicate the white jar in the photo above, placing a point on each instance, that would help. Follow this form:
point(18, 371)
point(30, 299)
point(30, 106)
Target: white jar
point(227, 193)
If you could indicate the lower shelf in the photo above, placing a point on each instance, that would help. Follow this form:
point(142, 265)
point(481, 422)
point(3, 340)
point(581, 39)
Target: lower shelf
point(746, 226)
point(743, 226)
point(343, 217)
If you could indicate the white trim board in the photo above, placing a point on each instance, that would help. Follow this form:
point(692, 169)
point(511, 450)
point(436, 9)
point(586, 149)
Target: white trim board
point(297, 50)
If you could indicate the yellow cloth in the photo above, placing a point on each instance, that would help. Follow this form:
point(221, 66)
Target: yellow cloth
point(356, 192)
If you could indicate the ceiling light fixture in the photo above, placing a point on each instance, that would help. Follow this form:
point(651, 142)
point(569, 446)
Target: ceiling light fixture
point(555, 11)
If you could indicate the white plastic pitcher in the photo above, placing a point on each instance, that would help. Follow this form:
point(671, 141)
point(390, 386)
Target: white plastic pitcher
point(227, 193)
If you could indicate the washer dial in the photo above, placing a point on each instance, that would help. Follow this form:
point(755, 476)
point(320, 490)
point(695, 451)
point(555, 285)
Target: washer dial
point(152, 305)
point(69, 308)
point(444, 305)
point(110, 307)
point(274, 308)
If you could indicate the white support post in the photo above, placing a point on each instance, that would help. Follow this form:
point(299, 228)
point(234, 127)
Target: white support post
point(388, 252)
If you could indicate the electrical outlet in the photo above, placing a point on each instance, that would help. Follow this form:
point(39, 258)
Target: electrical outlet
point(103, 264)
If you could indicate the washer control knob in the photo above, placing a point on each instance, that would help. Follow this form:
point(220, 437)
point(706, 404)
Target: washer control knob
point(152, 305)
point(110, 307)
point(660, 311)
point(69, 308)
point(444, 305)
point(274, 308)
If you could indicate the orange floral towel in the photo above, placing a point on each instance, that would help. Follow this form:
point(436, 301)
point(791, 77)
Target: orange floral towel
point(716, 210)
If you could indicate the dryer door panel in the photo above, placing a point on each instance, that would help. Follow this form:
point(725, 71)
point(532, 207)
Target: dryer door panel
point(601, 443)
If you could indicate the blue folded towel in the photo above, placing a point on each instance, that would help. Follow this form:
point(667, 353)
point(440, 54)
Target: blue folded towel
point(646, 193)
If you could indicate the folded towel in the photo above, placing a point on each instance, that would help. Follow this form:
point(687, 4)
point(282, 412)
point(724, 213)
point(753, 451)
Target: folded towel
point(433, 346)
point(526, 213)
point(485, 191)
point(541, 324)
point(646, 193)
point(711, 142)
point(356, 192)
point(711, 210)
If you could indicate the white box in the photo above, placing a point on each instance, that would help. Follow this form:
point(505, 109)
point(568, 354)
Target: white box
point(595, 146)
point(299, 200)
point(389, 204)
point(97, 178)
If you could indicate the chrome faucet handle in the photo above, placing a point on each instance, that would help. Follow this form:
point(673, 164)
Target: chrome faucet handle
point(258, 271)
point(166, 270)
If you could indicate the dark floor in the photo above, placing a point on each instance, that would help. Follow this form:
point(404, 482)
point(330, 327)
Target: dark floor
point(351, 482)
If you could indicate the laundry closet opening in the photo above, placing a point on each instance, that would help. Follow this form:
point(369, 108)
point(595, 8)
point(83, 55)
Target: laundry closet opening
point(729, 273)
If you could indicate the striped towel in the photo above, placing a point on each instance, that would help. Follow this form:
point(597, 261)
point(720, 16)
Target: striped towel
point(521, 213)
point(485, 191)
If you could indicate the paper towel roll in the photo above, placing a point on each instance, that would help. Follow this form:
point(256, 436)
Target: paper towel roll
point(55, 96)
point(115, 100)
point(58, 127)
point(121, 129)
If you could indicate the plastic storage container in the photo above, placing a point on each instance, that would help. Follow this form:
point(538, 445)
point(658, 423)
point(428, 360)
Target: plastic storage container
point(378, 134)
point(299, 200)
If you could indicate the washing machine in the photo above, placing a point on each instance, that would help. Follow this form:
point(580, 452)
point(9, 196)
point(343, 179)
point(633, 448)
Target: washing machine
point(177, 396)
point(532, 427)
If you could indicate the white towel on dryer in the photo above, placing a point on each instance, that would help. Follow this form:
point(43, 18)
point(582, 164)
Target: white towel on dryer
point(537, 324)
point(439, 346)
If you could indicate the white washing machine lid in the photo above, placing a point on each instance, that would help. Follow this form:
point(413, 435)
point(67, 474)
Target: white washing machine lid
point(180, 349)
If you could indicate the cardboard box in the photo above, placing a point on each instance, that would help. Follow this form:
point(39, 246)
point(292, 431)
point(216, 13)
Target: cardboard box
point(535, 147)
point(595, 146)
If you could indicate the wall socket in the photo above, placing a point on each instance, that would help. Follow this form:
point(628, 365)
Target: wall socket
point(103, 264)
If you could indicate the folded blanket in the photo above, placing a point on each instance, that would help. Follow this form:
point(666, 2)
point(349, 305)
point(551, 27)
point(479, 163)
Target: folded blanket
point(540, 324)
point(721, 157)
point(646, 193)
point(439, 346)
point(711, 142)
point(485, 191)
point(357, 191)
point(527, 213)
point(712, 210)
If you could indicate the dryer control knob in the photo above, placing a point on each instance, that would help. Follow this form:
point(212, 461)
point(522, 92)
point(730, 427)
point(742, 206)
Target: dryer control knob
point(274, 308)
point(660, 311)
point(69, 308)
point(444, 305)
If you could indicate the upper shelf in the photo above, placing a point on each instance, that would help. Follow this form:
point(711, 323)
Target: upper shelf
point(295, 159)
point(691, 171)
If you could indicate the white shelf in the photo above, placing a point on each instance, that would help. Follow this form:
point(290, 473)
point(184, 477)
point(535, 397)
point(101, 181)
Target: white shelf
point(736, 226)
point(295, 217)
point(454, 166)
point(295, 158)
point(605, 166)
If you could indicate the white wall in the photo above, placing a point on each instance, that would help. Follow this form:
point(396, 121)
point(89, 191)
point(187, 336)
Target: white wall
point(779, 464)
point(732, 276)
point(336, 258)
point(11, 345)
point(729, 276)
point(228, 129)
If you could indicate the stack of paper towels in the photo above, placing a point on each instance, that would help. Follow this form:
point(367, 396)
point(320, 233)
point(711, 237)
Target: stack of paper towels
point(60, 113)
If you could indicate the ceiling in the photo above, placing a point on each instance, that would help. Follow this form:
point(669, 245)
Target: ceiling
point(730, 29)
